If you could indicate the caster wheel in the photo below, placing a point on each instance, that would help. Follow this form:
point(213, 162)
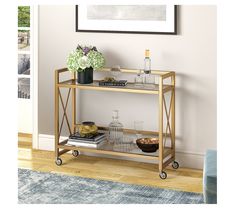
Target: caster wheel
point(75, 153)
point(163, 175)
point(58, 161)
point(175, 165)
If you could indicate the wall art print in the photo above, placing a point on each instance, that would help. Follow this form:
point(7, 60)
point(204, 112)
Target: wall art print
point(145, 19)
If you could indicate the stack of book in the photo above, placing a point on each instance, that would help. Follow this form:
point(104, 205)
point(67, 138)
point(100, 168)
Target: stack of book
point(93, 141)
point(113, 83)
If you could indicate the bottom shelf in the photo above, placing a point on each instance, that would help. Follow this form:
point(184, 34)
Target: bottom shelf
point(127, 149)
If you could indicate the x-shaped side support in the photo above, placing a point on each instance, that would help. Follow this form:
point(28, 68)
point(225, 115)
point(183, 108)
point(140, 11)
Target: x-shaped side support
point(168, 127)
point(64, 109)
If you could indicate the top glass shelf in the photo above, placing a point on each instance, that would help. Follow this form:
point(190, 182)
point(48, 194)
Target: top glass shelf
point(130, 87)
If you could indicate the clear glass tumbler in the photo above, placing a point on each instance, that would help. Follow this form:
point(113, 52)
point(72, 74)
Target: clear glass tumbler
point(149, 81)
point(139, 79)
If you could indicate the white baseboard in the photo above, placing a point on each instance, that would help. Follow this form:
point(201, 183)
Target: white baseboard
point(185, 158)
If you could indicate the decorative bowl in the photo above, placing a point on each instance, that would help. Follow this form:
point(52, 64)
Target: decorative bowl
point(148, 144)
point(87, 128)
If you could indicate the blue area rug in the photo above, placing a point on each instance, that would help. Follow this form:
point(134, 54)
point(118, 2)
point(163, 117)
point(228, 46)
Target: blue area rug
point(39, 187)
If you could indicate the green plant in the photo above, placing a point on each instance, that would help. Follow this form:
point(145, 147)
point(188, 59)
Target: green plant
point(85, 57)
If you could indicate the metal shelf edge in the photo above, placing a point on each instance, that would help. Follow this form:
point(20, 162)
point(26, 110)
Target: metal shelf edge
point(114, 153)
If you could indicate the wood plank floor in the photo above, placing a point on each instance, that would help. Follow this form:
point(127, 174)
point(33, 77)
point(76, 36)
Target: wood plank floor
point(130, 172)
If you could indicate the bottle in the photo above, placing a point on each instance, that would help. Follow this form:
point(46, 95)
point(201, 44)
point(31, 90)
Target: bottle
point(115, 129)
point(147, 62)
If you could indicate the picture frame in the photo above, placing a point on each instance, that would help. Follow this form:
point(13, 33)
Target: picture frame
point(143, 19)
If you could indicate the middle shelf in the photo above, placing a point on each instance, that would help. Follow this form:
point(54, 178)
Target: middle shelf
point(130, 87)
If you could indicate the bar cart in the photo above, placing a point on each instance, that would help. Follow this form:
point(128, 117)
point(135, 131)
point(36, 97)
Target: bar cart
point(165, 154)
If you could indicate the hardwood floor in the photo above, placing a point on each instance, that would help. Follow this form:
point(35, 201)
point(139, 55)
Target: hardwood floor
point(130, 172)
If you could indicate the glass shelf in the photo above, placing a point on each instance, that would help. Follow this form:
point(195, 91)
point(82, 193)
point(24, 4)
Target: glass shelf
point(130, 87)
point(130, 147)
point(127, 146)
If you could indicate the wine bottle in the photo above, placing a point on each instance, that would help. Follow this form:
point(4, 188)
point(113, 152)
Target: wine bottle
point(147, 62)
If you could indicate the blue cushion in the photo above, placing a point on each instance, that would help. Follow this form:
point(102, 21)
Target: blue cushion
point(210, 177)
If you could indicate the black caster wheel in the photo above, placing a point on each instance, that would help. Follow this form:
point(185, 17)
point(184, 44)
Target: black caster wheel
point(175, 165)
point(75, 153)
point(58, 161)
point(163, 175)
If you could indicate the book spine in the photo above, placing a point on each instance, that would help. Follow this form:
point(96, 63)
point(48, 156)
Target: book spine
point(98, 138)
point(80, 144)
point(87, 140)
point(112, 84)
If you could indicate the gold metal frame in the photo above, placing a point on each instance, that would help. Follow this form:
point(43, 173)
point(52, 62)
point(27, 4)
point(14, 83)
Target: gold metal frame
point(166, 154)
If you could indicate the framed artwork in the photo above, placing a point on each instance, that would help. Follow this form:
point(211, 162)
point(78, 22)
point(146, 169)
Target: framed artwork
point(145, 19)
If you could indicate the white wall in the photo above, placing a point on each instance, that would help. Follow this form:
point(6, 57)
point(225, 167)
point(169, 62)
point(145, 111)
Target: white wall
point(25, 119)
point(192, 54)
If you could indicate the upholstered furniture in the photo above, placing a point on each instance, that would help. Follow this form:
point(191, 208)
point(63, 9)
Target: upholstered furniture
point(210, 177)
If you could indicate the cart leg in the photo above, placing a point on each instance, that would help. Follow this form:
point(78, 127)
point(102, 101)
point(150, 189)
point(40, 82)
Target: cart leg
point(74, 106)
point(56, 153)
point(173, 117)
point(161, 172)
point(58, 161)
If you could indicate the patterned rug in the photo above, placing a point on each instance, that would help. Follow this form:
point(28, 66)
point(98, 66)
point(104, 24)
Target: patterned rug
point(48, 188)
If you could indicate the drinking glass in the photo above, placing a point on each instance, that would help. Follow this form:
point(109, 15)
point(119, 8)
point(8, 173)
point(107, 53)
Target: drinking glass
point(115, 71)
point(149, 81)
point(139, 79)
